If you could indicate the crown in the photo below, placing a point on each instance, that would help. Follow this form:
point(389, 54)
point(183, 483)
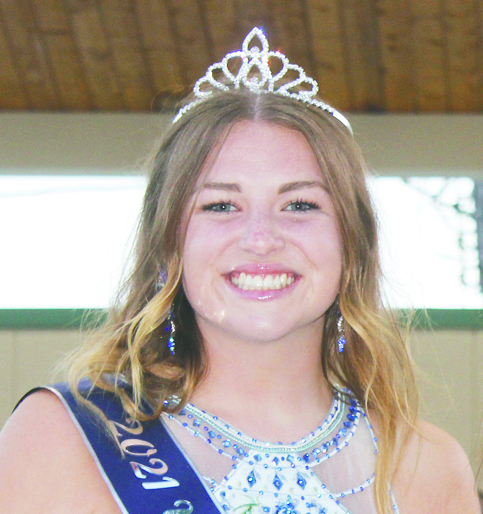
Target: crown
point(265, 81)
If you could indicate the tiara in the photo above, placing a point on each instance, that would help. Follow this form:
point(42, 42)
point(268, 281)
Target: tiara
point(264, 82)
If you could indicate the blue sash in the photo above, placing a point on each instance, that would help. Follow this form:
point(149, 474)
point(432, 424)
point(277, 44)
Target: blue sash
point(144, 469)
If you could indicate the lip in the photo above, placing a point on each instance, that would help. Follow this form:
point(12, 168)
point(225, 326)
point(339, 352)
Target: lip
point(262, 269)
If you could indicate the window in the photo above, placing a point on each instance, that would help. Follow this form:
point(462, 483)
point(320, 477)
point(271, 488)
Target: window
point(65, 239)
point(428, 242)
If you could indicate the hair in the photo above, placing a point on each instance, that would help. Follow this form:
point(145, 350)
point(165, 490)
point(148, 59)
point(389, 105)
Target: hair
point(131, 345)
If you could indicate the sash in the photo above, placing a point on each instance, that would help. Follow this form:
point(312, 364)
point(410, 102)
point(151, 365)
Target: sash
point(146, 471)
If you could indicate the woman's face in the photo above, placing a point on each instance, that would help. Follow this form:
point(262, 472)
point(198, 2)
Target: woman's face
point(262, 255)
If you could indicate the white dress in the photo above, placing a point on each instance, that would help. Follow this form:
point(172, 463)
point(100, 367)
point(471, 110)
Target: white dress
point(330, 471)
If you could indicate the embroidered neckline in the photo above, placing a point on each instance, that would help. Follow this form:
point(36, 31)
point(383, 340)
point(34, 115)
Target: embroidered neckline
point(278, 472)
point(334, 416)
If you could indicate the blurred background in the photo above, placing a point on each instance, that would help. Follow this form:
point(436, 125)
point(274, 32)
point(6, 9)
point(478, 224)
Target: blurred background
point(86, 87)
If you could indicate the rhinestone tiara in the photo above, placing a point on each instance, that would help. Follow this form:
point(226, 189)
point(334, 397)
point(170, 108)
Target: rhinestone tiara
point(266, 82)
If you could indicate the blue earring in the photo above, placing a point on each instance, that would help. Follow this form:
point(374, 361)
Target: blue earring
point(171, 328)
point(340, 329)
point(161, 280)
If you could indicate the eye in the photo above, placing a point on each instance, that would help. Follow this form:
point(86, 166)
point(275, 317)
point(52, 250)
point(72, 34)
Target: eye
point(220, 207)
point(301, 206)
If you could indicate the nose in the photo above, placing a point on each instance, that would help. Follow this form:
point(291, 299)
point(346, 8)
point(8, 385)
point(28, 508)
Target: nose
point(261, 235)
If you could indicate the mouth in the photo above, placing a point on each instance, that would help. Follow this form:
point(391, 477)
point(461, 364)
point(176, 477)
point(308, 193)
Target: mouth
point(261, 282)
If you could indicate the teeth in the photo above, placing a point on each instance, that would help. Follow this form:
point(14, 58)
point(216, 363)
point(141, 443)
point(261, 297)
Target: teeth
point(268, 282)
point(259, 283)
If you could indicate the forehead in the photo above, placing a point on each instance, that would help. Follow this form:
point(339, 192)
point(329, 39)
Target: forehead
point(256, 150)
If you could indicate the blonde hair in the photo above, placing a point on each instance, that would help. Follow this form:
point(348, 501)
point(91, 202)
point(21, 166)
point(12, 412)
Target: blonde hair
point(131, 345)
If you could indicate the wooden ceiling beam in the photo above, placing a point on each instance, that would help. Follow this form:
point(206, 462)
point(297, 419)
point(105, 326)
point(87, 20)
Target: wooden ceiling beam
point(221, 24)
point(13, 95)
point(142, 55)
point(29, 55)
point(397, 55)
point(293, 33)
point(129, 58)
point(189, 35)
point(161, 49)
point(254, 14)
point(430, 56)
point(363, 69)
point(462, 38)
point(97, 61)
point(55, 30)
point(479, 54)
point(328, 52)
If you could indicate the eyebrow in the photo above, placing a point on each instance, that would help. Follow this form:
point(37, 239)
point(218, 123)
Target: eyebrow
point(301, 184)
point(284, 188)
point(222, 186)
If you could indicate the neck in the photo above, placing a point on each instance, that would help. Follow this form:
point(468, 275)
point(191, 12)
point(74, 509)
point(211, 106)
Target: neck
point(274, 391)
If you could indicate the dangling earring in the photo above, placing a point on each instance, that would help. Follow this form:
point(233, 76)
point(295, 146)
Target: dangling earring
point(171, 328)
point(161, 280)
point(340, 329)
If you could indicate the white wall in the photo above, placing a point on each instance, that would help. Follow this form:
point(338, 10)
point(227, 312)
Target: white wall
point(42, 143)
point(451, 385)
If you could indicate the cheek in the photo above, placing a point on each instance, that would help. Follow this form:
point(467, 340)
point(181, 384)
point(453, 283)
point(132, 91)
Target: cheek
point(202, 253)
point(333, 258)
point(326, 257)
point(194, 281)
point(197, 252)
point(321, 244)
point(194, 254)
point(331, 249)
point(206, 241)
point(198, 282)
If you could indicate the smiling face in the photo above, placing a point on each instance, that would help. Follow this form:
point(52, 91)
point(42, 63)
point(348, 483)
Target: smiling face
point(262, 256)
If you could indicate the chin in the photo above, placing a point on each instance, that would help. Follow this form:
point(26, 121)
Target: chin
point(259, 330)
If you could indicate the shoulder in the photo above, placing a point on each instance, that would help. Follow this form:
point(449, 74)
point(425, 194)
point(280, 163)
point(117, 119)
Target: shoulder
point(42, 452)
point(434, 474)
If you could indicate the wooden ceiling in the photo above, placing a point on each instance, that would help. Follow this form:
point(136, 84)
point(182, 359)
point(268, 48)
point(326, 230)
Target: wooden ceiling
point(142, 55)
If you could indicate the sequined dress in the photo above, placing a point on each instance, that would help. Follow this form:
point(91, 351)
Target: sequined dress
point(330, 471)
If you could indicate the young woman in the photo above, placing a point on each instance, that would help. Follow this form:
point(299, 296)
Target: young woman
point(249, 366)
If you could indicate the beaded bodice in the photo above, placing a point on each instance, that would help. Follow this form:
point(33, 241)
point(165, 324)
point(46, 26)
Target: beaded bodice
point(330, 471)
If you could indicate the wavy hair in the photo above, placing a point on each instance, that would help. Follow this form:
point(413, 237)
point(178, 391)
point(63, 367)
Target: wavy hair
point(131, 345)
